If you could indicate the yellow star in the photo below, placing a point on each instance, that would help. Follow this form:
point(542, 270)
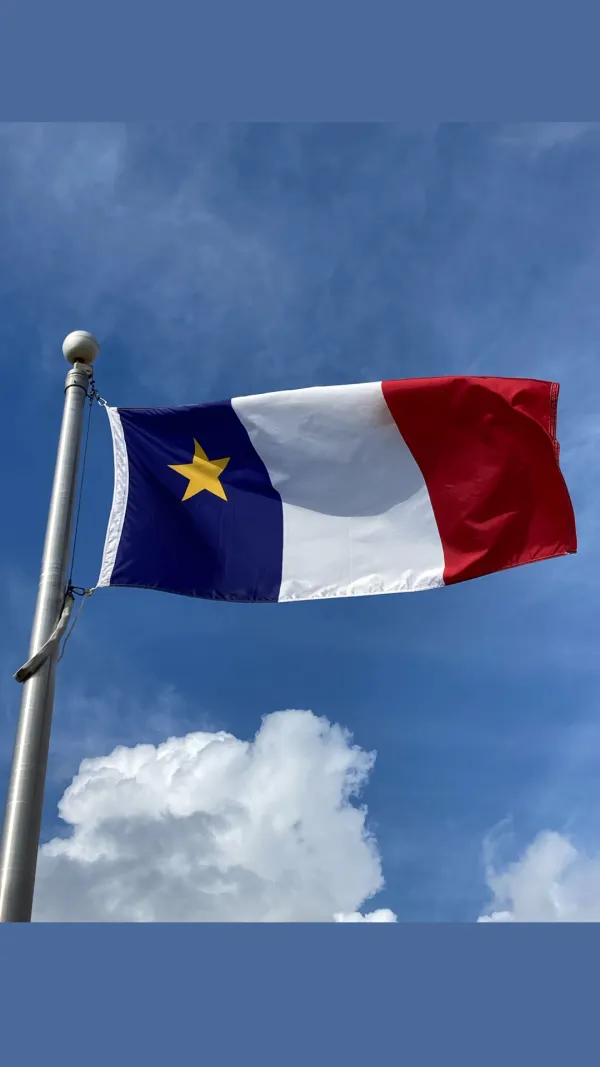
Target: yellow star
point(202, 473)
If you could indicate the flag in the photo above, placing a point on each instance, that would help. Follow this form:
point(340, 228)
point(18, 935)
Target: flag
point(385, 487)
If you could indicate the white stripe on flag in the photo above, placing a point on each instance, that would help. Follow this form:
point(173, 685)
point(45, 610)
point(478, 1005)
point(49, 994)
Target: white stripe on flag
point(357, 517)
point(120, 494)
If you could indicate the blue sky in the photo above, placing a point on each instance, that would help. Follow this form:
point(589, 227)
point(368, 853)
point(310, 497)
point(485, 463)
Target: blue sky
point(214, 261)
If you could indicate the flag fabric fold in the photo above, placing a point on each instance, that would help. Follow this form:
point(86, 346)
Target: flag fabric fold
point(384, 487)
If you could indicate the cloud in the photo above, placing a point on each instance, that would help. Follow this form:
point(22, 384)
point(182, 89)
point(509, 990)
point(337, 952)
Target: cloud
point(103, 230)
point(382, 915)
point(553, 881)
point(207, 827)
point(536, 138)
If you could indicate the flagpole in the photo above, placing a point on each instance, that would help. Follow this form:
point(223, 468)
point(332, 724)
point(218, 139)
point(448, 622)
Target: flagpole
point(25, 796)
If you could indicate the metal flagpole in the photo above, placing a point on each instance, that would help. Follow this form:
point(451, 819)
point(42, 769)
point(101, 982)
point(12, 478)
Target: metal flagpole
point(25, 797)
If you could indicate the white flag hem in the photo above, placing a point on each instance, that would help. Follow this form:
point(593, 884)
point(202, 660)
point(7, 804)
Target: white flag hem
point(373, 585)
point(120, 495)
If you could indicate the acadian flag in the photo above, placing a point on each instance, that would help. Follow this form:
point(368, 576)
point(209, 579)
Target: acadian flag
point(388, 487)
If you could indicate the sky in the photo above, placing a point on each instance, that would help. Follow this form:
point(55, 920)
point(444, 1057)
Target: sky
point(419, 757)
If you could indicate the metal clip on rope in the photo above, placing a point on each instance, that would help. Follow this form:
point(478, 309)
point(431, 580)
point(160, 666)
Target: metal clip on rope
point(95, 395)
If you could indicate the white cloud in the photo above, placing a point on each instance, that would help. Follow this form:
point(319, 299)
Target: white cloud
point(553, 881)
point(207, 827)
point(382, 915)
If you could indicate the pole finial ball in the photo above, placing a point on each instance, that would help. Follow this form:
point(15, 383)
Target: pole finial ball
point(80, 347)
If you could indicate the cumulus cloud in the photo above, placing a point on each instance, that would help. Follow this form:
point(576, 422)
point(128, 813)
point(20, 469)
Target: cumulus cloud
point(207, 827)
point(553, 881)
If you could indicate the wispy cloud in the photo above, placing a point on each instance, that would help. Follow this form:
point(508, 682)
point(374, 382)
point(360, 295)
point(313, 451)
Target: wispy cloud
point(534, 138)
point(156, 264)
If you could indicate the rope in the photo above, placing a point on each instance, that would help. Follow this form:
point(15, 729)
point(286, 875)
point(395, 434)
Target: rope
point(33, 665)
point(84, 594)
point(35, 662)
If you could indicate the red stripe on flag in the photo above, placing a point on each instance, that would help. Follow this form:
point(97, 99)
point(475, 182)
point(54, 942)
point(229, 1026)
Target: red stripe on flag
point(487, 450)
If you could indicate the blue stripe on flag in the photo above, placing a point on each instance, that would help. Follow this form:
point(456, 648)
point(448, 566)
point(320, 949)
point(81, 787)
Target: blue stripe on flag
point(204, 546)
